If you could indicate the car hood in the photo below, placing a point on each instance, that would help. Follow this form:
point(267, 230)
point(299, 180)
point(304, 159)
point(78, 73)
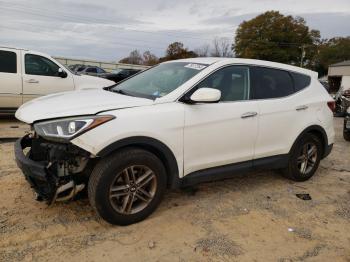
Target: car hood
point(91, 82)
point(75, 103)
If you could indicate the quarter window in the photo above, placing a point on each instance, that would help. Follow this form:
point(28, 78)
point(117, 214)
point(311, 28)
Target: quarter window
point(270, 83)
point(300, 81)
point(232, 81)
point(8, 62)
point(39, 65)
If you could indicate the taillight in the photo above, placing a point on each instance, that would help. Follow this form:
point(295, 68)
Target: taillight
point(331, 105)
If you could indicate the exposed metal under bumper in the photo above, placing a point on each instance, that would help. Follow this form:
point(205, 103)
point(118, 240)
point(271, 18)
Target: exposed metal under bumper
point(47, 186)
point(67, 191)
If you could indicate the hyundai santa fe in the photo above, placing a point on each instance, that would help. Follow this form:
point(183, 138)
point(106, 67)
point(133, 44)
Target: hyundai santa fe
point(174, 125)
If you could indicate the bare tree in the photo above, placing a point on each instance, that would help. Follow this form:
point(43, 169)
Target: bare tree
point(221, 47)
point(203, 51)
point(133, 58)
point(150, 59)
point(216, 48)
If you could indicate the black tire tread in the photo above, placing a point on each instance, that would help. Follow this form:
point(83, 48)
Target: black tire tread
point(346, 136)
point(288, 172)
point(104, 164)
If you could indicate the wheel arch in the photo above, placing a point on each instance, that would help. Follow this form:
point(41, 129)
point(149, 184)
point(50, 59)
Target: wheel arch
point(162, 151)
point(317, 131)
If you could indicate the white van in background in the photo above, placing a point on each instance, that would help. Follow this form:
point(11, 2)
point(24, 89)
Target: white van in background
point(25, 75)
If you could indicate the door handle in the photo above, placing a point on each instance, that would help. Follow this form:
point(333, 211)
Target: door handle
point(303, 107)
point(32, 81)
point(249, 114)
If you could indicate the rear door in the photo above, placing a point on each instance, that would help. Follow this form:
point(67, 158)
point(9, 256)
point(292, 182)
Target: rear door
point(40, 77)
point(284, 110)
point(10, 80)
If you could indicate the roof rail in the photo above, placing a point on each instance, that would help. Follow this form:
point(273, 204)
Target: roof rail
point(16, 48)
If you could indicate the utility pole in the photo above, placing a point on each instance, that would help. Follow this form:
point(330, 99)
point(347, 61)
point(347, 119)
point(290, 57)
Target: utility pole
point(302, 55)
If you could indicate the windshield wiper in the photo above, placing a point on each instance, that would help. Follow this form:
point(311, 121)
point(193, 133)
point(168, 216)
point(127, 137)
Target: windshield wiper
point(120, 91)
point(134, 94)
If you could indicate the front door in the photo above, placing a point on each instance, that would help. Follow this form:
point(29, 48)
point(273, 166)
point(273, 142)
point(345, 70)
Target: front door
point(40, 77)
point(222, 133)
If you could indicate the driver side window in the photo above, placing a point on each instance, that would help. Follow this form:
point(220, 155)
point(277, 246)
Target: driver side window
point(232, 81)
point(39, 65)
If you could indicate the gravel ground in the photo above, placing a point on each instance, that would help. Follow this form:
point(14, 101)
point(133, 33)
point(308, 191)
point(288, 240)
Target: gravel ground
point(252, 217)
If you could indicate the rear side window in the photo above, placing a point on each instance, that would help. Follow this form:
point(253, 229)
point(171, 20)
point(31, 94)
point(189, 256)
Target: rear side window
point(100, 70)
point(300, 81)
point(91, 70)
point(270, 83)
point(8, 62)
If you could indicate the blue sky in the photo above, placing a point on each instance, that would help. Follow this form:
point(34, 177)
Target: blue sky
point(108, 29)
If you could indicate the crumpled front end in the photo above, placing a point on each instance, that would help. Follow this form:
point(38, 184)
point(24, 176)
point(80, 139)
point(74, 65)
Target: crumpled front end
point(56, 171)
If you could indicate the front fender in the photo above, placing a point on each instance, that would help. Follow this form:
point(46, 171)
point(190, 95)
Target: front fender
point(162, 151)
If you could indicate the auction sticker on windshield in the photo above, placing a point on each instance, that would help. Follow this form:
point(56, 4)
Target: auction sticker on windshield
point(196, 66)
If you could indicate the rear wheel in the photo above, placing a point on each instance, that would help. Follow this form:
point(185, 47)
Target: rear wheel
point(127, 186)
point(304, 159)
point(346, 136)
point(346, 132)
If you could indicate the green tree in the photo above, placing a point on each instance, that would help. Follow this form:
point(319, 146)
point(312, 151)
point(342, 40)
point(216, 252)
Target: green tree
point(332, 51)
point(275, 37)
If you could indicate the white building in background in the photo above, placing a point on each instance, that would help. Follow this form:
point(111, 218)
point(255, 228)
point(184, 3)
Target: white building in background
point(339, 75)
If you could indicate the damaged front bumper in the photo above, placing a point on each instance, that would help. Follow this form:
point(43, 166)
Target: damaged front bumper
point(54, 171)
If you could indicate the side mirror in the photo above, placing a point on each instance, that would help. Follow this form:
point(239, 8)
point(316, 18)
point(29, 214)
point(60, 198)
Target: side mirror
point(62, 73)
point(206, 95)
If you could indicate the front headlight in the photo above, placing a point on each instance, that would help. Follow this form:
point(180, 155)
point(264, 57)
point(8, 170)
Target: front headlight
point(69, 128)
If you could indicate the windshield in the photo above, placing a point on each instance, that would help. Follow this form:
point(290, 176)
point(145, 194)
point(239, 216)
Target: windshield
point(159, 80)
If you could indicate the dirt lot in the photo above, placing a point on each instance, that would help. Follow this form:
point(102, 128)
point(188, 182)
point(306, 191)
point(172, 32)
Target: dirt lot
point(254, 217)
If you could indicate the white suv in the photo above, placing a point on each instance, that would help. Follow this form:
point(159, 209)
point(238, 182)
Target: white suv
point(176, 124)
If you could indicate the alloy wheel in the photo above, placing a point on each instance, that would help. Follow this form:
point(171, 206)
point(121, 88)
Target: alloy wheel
point(133, 189)
point(307, 158)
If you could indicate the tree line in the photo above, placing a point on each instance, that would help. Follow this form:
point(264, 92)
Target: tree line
point(270, 36)
point(221, 47)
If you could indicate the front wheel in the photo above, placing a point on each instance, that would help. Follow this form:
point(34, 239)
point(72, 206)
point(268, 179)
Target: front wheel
point(127, 186)
point(304, 158)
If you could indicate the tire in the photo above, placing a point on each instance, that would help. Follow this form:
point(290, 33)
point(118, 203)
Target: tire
point(112, 192)
point(297, 168)
point(346, 135)
point(346, 132)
